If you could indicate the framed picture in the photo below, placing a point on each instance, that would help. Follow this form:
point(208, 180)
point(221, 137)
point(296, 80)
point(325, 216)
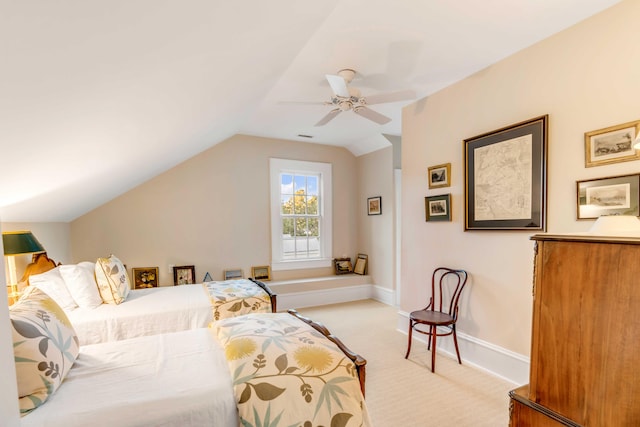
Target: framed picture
point(438, 208)
point(145, 277)
point(233, 274)
point(342, 265)
point(506, 178)
point(374, 205)
point(361, 264)
point(611, 145)
point(616, 195)
point(440, 176)
point(262, 272)
point(184, 275)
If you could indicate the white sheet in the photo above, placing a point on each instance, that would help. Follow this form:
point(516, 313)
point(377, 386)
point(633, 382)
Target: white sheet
point(144, 312)
point(178, 379)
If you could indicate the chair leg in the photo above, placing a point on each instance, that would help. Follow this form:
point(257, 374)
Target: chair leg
point(429, 340)
point(455, 341)
point(406, 356)
point(433, 350)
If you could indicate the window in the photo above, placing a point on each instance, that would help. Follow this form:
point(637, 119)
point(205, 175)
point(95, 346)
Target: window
point(300, 214)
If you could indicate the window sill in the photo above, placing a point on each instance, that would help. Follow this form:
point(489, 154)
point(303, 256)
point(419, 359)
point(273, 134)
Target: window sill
point(299, 265)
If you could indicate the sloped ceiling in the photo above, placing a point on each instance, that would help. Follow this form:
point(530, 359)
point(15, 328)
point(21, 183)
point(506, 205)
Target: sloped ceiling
point(97, 97)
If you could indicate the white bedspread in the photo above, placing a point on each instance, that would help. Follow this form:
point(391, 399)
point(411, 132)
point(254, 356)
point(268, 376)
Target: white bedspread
point(144, 312)
point(178, 379)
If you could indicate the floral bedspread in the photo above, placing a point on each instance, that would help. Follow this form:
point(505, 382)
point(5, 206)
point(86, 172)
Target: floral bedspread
point(285, 373)
point(230, 298)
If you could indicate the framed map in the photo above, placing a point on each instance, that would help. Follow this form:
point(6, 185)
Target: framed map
point(506, 178)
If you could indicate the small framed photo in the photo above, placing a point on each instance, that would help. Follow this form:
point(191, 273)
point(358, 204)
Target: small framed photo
point(616, 195)
point(145, 277)
point(374, 205)
point(343, 265)
point(261, 272)
point(440, 176)
point(184, 275)
point(611, 145)
point(361, 264)
point(438, 208)
point(233, 274)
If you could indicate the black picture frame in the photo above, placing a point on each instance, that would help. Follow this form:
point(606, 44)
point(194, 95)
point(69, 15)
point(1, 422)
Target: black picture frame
point(184, 275)
point(374, 205)
point(438, 208)
point(612, 195)
point(506, 177)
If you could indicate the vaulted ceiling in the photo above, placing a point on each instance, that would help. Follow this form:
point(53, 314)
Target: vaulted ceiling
point(97, 97)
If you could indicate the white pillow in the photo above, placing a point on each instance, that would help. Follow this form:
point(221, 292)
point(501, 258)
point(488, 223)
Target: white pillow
point(52, 283)
point(81, 282)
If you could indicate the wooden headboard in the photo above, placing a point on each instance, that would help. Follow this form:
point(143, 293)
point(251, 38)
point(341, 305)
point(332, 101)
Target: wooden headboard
point(39, 264)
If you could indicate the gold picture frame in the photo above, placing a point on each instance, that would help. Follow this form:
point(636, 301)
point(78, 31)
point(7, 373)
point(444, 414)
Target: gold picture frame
point(440, 176)
point(261, 272)
point(145, 277)
point(343, 265)
point(613, 144)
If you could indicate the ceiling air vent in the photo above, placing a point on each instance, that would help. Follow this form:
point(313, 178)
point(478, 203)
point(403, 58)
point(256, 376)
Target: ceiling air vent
point(305, 136)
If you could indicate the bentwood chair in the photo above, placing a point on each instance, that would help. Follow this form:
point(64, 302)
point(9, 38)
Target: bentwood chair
point(439, 317)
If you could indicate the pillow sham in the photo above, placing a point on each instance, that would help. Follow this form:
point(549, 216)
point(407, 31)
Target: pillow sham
point(81, 282)
point(45, 346)
point(52, 283)
point(112, 279)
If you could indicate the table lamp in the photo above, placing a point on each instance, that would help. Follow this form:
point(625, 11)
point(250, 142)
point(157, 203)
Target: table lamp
point(18, 243)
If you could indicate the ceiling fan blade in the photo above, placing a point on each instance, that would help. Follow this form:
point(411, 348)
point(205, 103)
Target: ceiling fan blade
point(338, 85)
point(326, 119)
point(371, 115)
point(402, 95)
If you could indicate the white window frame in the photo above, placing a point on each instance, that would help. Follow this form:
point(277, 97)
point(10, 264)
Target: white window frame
point(277, 167)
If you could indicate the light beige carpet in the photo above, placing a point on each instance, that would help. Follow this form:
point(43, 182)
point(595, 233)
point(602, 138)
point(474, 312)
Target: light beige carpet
point(401, 392)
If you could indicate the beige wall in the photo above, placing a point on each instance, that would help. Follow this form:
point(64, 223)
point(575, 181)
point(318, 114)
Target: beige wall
point(585, 78)
point(375, 233)
point(212, 211)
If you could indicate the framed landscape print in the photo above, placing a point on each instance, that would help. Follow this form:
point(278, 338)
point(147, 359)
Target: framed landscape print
point(616, 195)
point(145, 277)
point(440, 176)
point(438, 208)
point(611, 145)
point(262, 272)
point(233, 274)
point(506, 178)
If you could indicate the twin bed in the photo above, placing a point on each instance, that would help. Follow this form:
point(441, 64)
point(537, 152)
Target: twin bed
point(247, 369)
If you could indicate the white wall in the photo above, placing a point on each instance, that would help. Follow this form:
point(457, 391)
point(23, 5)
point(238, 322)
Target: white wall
point(9, 414)
point(585, 78)
point(376, 232)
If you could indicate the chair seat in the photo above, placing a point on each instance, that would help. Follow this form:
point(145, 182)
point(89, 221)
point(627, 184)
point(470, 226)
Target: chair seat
point(432, 317)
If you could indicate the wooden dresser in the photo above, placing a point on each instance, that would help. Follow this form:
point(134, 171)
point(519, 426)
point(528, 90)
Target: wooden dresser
point(585, 363)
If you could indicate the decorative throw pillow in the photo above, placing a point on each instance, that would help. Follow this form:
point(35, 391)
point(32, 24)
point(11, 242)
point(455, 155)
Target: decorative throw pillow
point(45, 346)
point(113, 280)
point(81, 282)
point(52, 283)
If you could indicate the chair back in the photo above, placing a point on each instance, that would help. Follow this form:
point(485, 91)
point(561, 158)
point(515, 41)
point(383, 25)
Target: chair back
point(446, 287)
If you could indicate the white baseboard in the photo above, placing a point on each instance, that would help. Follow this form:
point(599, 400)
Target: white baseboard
point(384, 295)
point(495, 360)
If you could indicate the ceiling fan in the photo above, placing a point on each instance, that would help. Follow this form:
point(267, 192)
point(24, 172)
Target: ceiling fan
point(347, 98)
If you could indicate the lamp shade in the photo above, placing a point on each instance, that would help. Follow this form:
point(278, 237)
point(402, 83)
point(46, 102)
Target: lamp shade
point(20, 242)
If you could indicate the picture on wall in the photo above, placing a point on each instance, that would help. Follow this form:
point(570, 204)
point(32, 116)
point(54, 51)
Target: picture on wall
point(374, 205)
point(611, 145)
point(506, 178)
point(262, 272)
point(438, 208)
point(440, 176)
point(184, 275)
point(145, 277)
point(233, 274)
point(616, 195)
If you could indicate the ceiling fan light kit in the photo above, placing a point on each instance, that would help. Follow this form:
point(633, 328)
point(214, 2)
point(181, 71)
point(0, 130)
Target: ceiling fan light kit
point(347, 98)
